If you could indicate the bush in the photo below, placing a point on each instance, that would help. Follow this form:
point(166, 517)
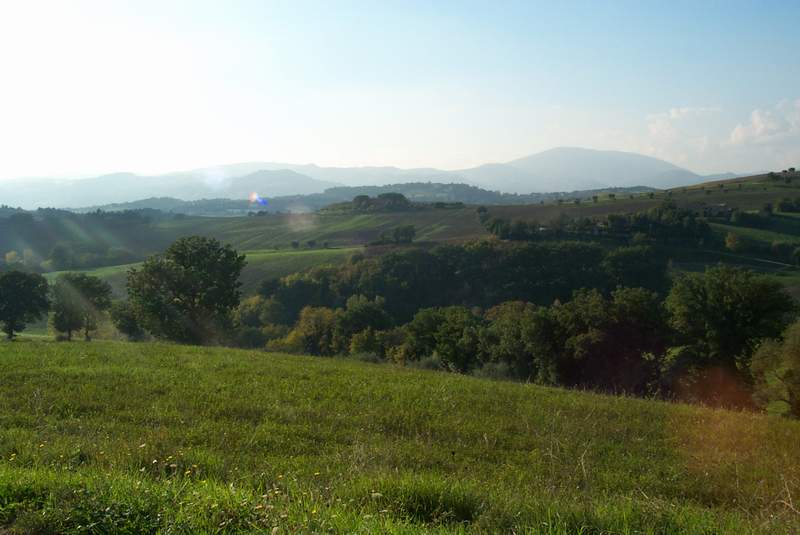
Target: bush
point(124, 319)
point(776, 373)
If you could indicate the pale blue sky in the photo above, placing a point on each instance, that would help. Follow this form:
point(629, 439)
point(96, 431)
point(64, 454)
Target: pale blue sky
point(90, 87)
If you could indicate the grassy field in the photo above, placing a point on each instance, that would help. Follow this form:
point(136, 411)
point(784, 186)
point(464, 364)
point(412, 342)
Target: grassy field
point(261, 265)
point(106, 437)
point(338, 229)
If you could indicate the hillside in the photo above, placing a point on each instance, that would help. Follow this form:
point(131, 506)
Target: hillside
point(448, 225)
point(125, 187)
point(556, 170)
point(418, 192)
point(158, 437)
point(261, 265)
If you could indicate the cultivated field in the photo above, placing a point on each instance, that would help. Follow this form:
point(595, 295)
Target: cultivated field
point(111, 437)
point(261, 265)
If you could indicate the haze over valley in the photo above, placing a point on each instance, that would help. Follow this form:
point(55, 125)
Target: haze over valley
point(563, 169)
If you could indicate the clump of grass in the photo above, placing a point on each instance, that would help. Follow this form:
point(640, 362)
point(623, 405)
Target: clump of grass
point(422, 498)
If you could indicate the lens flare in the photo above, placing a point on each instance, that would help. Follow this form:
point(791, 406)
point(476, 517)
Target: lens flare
point(256, 199)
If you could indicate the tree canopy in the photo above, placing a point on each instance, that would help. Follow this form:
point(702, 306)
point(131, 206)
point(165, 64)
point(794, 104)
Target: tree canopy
point(188, 293)
point(23, 299)
point(78, 303)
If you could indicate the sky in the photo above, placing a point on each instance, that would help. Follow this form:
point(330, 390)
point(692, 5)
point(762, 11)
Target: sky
point(90, 87)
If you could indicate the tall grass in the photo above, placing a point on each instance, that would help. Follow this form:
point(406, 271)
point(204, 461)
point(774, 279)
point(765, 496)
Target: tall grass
point(106, 437)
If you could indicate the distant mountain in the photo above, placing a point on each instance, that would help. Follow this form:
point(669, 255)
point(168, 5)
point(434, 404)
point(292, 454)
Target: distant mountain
point(219, 182)
point(560, 169)
point(569, 168)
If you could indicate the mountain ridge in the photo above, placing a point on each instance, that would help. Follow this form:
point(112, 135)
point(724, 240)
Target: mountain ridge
point(554, 170)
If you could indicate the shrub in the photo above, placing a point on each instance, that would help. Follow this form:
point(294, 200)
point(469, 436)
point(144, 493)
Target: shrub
point(124, 319)
point(776, 373)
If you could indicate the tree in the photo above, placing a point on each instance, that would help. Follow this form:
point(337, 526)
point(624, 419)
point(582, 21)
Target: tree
point(187, 294)
point(23, 299)
point(360, 314)
point(457, 338)
point(519, 337)
point(734, 242)
point(314, 332)
point(79, 301)
point(637, 266)
point(404, 234)
point(611, 344)
point(124, 318)
point(726, 312)
point(419, 340)
point(776, 373)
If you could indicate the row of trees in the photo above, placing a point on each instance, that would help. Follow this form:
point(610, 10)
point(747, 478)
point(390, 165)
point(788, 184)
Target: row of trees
point(629, 340)
point(78, 302)
point(186, 295)
point(665, 223)
point(480, 274)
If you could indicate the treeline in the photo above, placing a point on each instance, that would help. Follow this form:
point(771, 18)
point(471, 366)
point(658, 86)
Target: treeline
point(666, 224)
point(481, 273)
point(628, 339)
point(438, 195)
point(50, 239)
point(765, 218)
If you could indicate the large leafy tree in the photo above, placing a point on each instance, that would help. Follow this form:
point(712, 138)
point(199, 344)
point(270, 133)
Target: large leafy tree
point(188, 293)
point(724, 313)
point(523, 337)
point(611, 343)
point(23, 298)
point(79, 300)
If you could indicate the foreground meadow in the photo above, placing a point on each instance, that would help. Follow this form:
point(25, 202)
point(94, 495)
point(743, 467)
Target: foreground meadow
point(112, 437)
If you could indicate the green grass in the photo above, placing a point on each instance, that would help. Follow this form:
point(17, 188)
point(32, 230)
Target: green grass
point(261, 265)
point(765, 236)
point(116, 276)
point(115, 437)
point(338, 229)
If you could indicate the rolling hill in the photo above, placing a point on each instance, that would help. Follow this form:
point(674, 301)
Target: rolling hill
point(113, 437)
point(559, 169)
point(556, 170)
point(577, 168)
point(125, 187)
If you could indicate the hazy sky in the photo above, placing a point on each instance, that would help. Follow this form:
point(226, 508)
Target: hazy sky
point(91, 87)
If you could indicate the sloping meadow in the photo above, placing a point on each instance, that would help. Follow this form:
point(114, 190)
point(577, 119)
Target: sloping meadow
point(116, 437)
